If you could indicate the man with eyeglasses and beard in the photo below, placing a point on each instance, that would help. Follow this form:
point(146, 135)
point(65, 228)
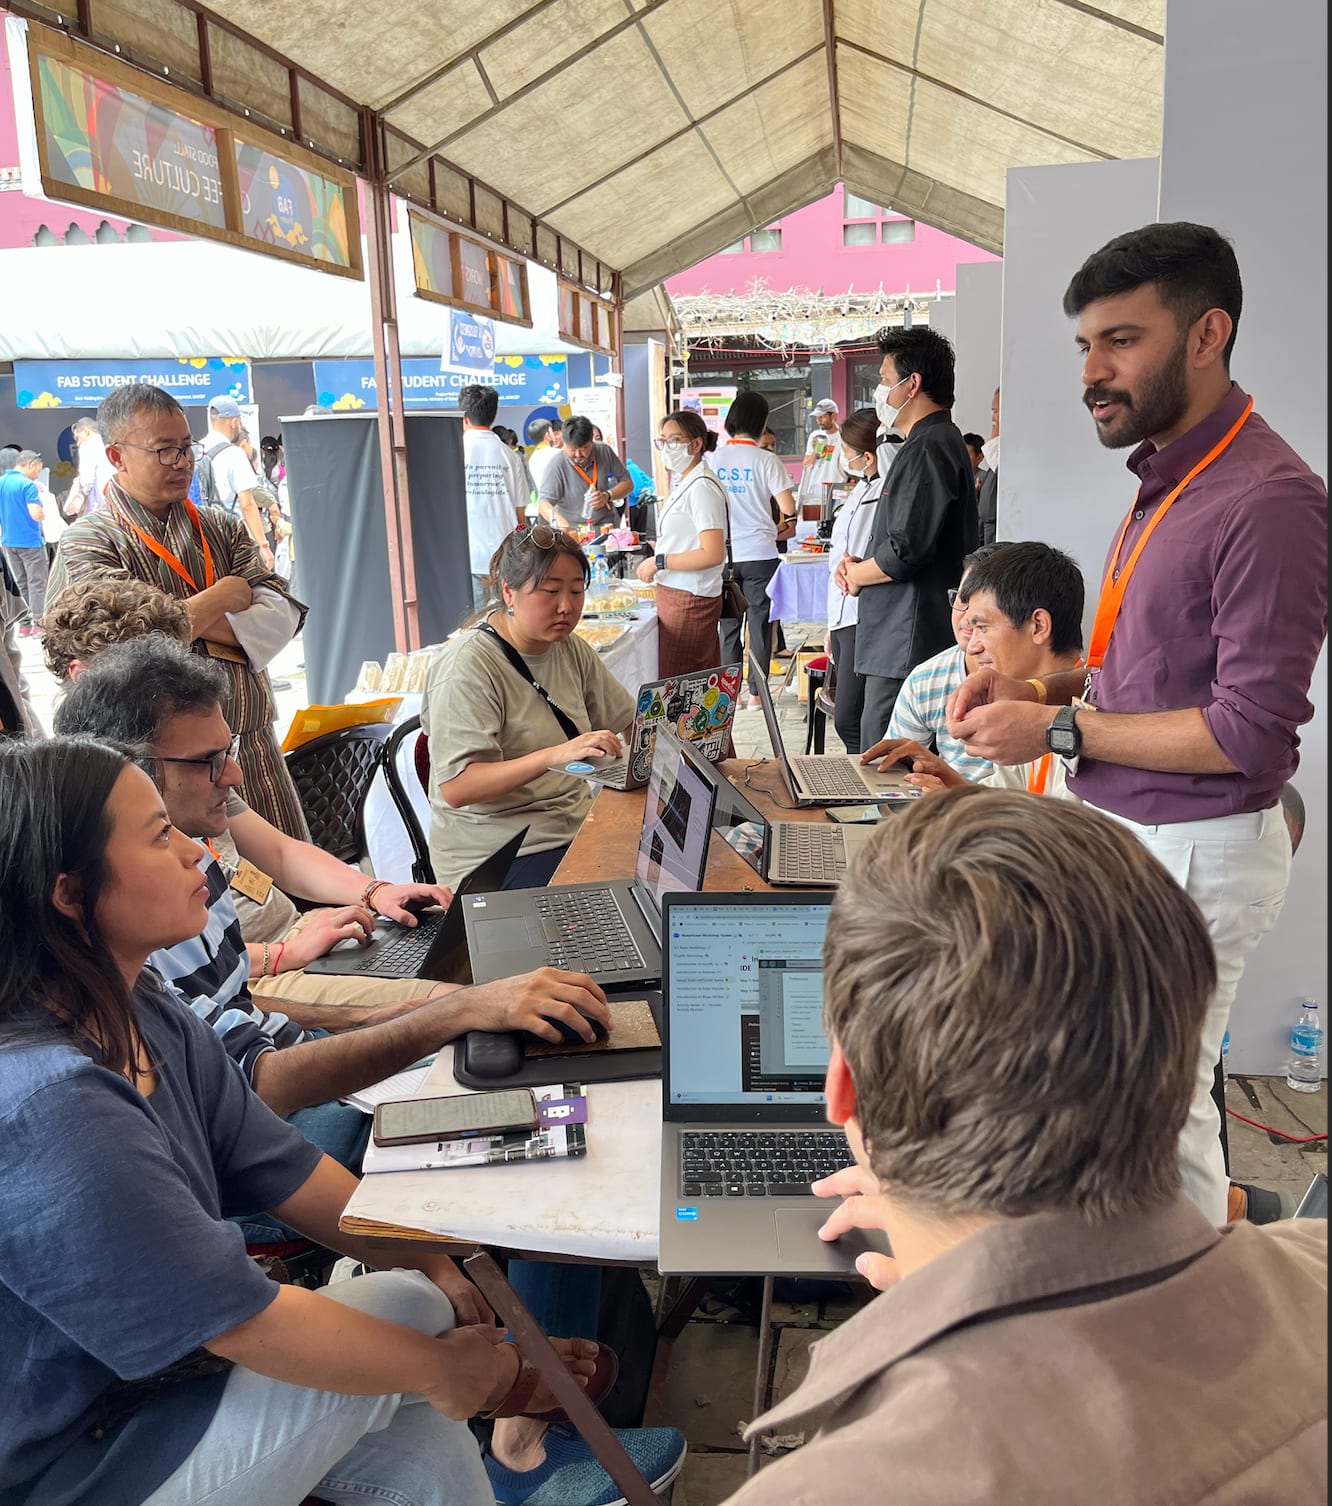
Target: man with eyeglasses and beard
point(241, 613)
point(1212, 614)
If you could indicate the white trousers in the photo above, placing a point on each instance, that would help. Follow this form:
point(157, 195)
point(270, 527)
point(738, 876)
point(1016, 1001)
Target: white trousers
point(1236, 869)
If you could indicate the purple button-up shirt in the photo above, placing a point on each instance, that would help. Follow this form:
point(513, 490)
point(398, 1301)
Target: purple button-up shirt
point(1226, 610)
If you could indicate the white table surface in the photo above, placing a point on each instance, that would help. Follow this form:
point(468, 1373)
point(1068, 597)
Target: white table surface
point(633, 661)
point(601, 1206)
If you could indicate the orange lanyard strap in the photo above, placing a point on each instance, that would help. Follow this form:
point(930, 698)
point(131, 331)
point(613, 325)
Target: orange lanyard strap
point(164, 554)
point(1114, 586)
point(1038, 776)
point(751, 442)
point(592, 479)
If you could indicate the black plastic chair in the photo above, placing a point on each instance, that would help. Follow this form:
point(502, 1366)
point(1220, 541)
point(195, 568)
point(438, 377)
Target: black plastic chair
point(422, 871)
point(332, 775)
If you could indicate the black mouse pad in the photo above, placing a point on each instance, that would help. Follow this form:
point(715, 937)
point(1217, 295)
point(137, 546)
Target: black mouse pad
point(485, 1060)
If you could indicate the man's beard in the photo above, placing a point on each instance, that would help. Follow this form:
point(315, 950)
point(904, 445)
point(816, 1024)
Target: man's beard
point(1161, 403)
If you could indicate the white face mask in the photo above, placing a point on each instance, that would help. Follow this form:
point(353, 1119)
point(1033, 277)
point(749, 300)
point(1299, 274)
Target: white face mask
point(887, 413)
point(990, 452)
point(676, 456)
point(852, 470)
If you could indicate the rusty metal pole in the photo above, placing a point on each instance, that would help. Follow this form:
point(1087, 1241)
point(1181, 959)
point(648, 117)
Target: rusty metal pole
point(388, 385)
point(619, 359)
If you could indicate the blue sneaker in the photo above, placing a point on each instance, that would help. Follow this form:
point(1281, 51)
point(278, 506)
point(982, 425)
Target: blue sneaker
point(571, 1475)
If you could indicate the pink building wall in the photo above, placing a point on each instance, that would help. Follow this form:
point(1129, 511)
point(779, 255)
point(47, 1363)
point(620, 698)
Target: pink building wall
point(813, 256)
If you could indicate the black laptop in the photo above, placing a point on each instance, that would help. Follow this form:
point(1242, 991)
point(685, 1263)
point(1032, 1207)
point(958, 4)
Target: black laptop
point(435, 947)
point(609, 930)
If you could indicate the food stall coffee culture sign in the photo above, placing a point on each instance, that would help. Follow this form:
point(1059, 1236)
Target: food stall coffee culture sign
point(193, 382)
point(117, 140)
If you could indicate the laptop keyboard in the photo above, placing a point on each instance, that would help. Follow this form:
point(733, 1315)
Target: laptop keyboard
point(585, 932)
point(812, 854)
point(748, 1163)
point(830, 778)
point(405, 951)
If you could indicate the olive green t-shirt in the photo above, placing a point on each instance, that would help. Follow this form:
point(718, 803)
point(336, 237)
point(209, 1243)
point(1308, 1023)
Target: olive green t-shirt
point(477, 709)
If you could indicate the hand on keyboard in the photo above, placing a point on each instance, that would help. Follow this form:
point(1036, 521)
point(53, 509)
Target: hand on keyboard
point(403, 902)
point(322, 932)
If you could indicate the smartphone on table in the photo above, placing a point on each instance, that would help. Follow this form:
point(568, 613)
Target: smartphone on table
point(855, 815)
point(457, 1116)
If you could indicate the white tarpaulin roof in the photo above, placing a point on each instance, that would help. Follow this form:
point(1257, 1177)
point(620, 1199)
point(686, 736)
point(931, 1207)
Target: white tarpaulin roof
point(654, 132)
point(200, 298)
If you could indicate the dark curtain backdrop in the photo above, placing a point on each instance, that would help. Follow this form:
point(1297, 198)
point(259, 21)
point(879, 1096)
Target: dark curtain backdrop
point(337, 511)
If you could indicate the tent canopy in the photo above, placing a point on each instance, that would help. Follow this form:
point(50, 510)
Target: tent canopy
point(653, 132)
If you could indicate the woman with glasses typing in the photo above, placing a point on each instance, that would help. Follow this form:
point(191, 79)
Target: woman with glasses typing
point(690, 549)
point(506, 699)
point(147, 1360)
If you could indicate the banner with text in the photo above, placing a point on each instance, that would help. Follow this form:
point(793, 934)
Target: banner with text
point(83, 384)
point(345, 386)
point(471, 347)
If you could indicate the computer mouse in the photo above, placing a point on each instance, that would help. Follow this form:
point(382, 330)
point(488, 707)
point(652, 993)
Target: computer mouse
point(568, 1035)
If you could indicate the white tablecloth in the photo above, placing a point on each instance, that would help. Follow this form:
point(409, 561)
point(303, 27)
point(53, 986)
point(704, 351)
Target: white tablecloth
point(633, 662)
point(799, 590)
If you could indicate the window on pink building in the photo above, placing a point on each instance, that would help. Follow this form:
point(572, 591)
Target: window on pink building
point(866, 224)
point(768, 239)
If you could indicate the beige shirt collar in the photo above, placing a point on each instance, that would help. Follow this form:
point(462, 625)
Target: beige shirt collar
point(1034, 1261)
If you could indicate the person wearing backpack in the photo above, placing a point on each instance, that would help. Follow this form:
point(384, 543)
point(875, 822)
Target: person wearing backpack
point(226, 476)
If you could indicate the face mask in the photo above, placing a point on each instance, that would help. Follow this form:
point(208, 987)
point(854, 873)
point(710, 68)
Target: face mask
point(887, 413)
point(852, 470)
point(677, 457)
point(990, 452)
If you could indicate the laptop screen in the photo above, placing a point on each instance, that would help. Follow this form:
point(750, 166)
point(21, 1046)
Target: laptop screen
point(742, 980)
point(735, 819)
point(677, 822)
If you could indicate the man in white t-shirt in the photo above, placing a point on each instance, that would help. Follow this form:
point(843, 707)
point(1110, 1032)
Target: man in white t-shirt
point(495, 501)
point(548, 437)
point(87, 494)
point(233, 474)
point(823, 453)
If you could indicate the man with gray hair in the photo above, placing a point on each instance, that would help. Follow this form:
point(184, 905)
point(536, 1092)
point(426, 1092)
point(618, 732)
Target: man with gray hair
point(241, 613)
point(1013, 1045)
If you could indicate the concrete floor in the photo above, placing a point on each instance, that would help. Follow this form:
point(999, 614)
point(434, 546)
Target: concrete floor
point(711, 1386)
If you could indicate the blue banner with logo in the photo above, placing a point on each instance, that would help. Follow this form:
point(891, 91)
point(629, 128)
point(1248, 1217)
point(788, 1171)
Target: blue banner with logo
point(344, 386)
point(471, 347)
point(193, 381)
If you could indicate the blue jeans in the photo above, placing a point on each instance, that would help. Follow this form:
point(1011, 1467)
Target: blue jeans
point(273, 1442)
point(564, 1298)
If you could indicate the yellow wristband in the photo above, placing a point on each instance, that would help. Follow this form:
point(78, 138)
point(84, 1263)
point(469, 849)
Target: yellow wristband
point(1042, 696)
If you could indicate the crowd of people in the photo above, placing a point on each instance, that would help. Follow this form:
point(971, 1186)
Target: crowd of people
point(1022, 1041)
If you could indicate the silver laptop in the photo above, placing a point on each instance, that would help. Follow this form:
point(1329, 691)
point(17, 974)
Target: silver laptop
point(830, 778)
point(699, 707)
point(743, 1063)
point(610, 930)
point(807, 854)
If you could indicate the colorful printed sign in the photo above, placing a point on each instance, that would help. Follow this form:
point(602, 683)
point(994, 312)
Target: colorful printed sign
point(455, 269)
point(291, 207)
point(83, 384)
point(346, 386)
point(108, 140)
point(585, 320)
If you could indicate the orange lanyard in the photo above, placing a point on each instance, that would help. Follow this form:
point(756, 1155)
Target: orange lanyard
point(751, 442)
point(1039, 774)
point(1114, 586)
point(592, 479)
point(164, 554)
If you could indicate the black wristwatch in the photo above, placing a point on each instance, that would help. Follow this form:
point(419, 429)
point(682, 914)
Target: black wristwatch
point(661, 562)
point(1062, 735)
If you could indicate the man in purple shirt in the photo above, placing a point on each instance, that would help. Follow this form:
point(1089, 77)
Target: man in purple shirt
point(1186, 727)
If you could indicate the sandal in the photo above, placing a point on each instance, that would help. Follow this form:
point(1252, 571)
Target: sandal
point(599, 1383)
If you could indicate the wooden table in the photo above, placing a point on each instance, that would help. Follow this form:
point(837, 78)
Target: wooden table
point(606, 846)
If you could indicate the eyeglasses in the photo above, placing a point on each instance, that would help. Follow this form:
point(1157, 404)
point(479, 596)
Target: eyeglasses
point(216, 763)
point(168, 455)
point(956, 600)
point(540, 534)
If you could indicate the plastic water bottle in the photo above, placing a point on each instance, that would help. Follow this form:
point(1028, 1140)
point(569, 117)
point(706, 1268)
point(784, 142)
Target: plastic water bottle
point(600, 573)
point(1304, 1073)
point(1225, 1057)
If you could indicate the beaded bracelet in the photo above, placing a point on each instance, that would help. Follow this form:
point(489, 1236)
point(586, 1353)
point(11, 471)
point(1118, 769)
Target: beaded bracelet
point(369, 892)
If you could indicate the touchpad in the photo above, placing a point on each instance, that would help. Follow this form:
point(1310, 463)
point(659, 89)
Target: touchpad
point(800, 1249)
point(507, 933)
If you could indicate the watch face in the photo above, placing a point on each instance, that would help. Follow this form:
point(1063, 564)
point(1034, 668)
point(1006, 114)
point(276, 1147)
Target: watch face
point(1061, 740)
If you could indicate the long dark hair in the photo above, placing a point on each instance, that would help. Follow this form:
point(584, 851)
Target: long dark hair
point(58, 978)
